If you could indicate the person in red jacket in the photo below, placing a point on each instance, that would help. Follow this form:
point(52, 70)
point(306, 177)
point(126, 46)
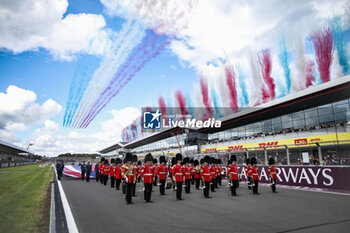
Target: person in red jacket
point(220, 170)
point(118, 173)
point(112, 172)
point(162, 174)
point(139, 165)
point(100, 169)
point(248, 172)
point(155, 170)
point(197, 173)
point(271, 172)
point(128, 174)
point(192, 168)
point(171, 169)
point(147, 176)
point(136, 170)
point(232, 173)
point(255, 176)
point(178, 174)
point(213, 173)
point(188, 174)
point(206, 176)
point(105, 172)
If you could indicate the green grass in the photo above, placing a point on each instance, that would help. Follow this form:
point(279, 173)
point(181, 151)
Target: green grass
point(22, 196)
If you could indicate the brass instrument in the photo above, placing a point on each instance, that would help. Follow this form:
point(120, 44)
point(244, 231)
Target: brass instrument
point(125, 175)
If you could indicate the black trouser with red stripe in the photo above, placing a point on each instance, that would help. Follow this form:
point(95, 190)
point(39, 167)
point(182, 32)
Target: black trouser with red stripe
point(128, 196)
point(178, 190)
point(162, 186)
point(117, 183)
point(112, 181)
point(213, 184)
point(188, 185)
point(234, 187)
point(206, 189)
point(148, 191)
point(198, 181)
point(255, 187)
point(273, 184)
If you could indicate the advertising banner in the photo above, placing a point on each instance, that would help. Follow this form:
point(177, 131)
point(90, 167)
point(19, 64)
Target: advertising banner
point(327, 178)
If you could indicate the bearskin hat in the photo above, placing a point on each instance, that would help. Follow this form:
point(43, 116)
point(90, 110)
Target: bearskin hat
point(139, 162)
point(253, 160)
point(207, 159)
point(247, 161)
point(118, 160)
point(112, 160)
point(191, 160)
point(233, 158)
point(219, 161)
point(134, 158)
point(102, 160)
point(148, 157)
point(128, 157)
point(178, 157)
point(155, 161)
point(162, 159)
point(229, 162)
point(271, 161)
point(202, 161)
point(186, 160)
point(212, 160)
point(195, 162)
point(173, 161)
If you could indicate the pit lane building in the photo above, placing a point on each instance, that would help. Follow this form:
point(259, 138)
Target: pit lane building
point(310, 124)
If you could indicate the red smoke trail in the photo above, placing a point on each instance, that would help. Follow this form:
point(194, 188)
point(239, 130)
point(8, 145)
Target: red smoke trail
point(163, 107)
point(231, 84)
point(266, 66)
point(310, 66)
point(181, 99)
point(323, 43)
point(135, 62)
point(206, 100)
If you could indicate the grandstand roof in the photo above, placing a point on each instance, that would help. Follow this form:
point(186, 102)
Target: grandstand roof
point(325, 93)
point(10, 148)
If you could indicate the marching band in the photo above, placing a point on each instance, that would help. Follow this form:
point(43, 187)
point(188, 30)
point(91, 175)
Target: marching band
point(205, 175)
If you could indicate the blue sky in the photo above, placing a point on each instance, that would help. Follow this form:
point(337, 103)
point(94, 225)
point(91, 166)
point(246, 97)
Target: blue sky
point(34, 59)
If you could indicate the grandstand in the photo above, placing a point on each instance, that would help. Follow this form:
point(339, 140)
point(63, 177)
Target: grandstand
point(12, 155)
point(311, 126)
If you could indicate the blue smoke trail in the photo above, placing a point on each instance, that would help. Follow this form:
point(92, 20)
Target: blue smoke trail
point(241, 78)
point(214, 96)
point(189, 105)
point(283, 56)
point(82, 75)
point(340, 43)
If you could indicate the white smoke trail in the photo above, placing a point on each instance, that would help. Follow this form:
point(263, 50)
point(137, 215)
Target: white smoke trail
point(336, 69)
point(130, 36)
point(301, 63)
point(256, 96)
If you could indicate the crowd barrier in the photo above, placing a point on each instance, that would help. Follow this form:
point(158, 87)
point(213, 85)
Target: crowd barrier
point(14, 164)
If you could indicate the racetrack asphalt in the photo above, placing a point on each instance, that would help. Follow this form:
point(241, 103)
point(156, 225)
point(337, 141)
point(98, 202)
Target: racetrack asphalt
point(101, 209)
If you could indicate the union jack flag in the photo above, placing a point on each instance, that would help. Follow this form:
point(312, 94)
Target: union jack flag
point(75, 171)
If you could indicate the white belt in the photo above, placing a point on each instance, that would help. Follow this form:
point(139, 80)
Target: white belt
point(188, 173)
point(206, 174)
point(148, 174)
point(162, 172)
point(234, 173)
point(178, 173)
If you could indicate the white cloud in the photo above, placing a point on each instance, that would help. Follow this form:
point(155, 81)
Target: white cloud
point(33, 24)
point(51, 141)
point(19, 108)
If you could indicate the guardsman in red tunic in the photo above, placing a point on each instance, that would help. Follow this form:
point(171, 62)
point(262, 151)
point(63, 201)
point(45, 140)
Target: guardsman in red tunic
point(220, 171)
point(105, 172)
point(217, 173)
point(162, 174)
point(188, 175)
point(197, 173)
point(206, 176)
point(248, 172)
point(136, 170)
point(178, 174)
point(128, 174)
point(112, 172)
point(139, 165)
point(272, 174)
point(118, 173)
point(171, 169)
point(100, 170)
point(213, 173)
point(155, 170)
point(232, 173)
point(147, 176)
point(255, 176)
point(192, 167)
